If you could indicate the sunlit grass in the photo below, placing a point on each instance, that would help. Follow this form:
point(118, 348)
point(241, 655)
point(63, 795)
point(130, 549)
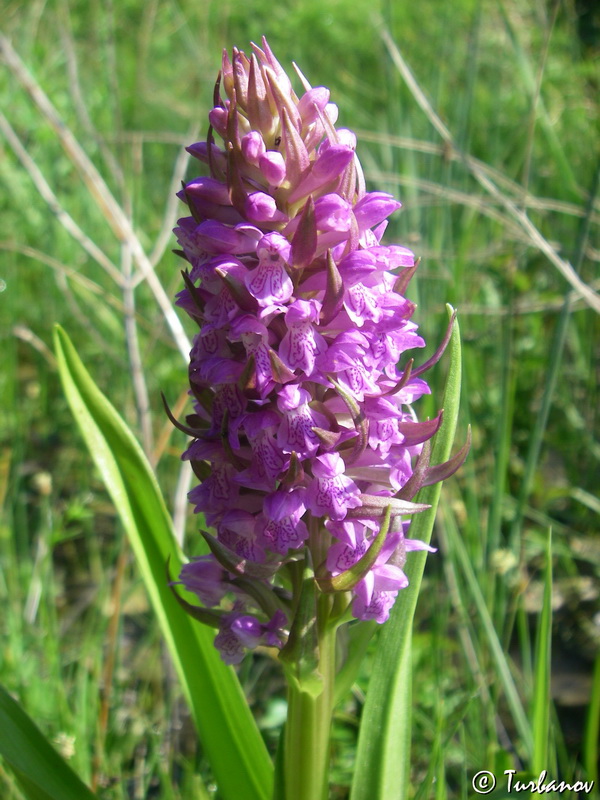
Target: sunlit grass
point(517, 93)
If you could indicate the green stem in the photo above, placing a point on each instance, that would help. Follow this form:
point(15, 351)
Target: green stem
point(308, 723)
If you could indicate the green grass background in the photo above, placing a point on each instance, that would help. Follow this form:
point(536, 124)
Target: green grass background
point(517, 84)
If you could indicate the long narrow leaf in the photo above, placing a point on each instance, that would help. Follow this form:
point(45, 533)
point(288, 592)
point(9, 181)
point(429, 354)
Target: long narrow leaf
point(592, 727)
point(228, 733)
point(383, 757)
point(42, 773)
point(359, 636)
point(541, 691)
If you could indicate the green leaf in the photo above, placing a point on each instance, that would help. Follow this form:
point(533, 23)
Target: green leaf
point(359, 635)
point(541, 691)
point(300, 656)
point(279, 779)
point(592, 727)
point(42, 773)
point(225, 725)
point(383, 755)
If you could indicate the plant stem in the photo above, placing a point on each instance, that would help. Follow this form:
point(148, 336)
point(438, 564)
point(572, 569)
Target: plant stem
point(309, 723)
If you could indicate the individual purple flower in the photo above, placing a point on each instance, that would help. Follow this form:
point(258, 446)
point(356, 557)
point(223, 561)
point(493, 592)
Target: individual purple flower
point(376, 592)
point(296, 431)
point(239, 631)
point(206, 578)
point(302, 341)
point(283, 528)
point(304, 433)
point(270, 282)
point(236, 531)
point(251, 632)
point(217, 493)
point(331, 493)
point(268, 461)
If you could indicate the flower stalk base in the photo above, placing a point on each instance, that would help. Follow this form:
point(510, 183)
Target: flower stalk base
point(308, 729)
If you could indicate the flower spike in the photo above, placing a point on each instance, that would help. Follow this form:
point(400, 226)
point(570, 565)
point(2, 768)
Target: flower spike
point(303, 434)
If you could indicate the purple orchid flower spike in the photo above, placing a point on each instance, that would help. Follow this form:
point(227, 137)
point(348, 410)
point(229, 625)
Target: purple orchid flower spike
point(304, 432)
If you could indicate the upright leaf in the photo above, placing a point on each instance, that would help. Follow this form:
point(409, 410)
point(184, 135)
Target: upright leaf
point(227, 730)
point(42, 773)
point(541, 690)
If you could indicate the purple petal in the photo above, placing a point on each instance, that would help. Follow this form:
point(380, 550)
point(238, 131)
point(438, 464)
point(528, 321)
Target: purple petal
point(313, 99)
point(219, 238)
point(282, 504)
point(218, 119)
point(272, 166)
point(253, 147)
point(373, 208)
point(261, 207)
point(328, 166)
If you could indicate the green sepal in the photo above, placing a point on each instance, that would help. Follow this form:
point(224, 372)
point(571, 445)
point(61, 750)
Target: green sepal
point(295, 473)
point(238, 290)
point(232, 562)
point(280, 373)
point(328, 439)
point(263, 595)
point(247, 380)
point(203, 615)
point(350, 577)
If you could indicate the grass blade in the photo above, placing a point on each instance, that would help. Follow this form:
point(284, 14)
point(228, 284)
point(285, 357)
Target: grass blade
point(592, 727)
point(383, 756)
point(42, 773)
point(541, 691)
point(225, 725)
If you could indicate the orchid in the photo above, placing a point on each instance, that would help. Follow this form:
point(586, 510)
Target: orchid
point(305, 441)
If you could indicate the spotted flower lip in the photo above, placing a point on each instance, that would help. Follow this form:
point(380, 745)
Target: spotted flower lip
point(304, 435)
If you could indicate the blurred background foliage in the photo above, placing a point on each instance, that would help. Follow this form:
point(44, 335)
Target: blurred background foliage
point(516, 83)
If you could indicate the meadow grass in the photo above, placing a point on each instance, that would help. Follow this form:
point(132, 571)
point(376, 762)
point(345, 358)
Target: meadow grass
point(493, 151)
